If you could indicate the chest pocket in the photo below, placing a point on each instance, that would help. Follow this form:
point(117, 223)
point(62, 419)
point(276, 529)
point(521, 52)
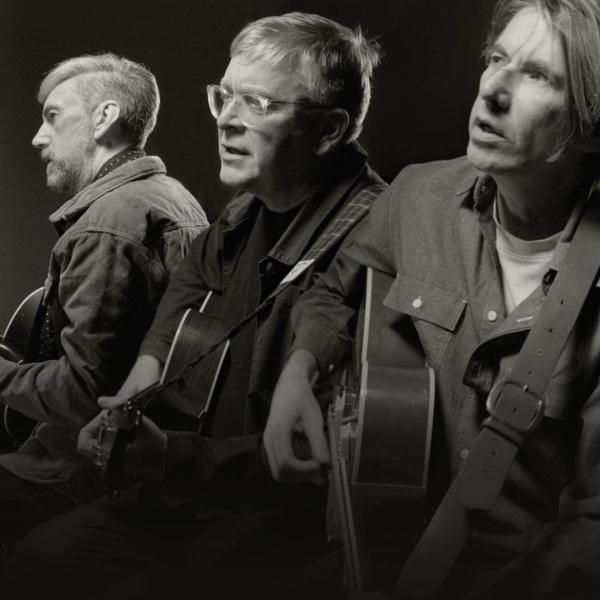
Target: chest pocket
point(436, 312)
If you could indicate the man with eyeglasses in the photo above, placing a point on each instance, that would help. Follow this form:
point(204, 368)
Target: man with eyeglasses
point(502, 255)
point(288, 109)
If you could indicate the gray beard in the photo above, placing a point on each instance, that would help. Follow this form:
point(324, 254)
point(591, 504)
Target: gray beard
point(64, 181)
point(68, 176)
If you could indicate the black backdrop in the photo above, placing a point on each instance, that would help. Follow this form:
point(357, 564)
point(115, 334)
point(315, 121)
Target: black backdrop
point(423, 92)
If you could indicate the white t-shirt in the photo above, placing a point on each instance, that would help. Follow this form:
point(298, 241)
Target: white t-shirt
point(524, 262)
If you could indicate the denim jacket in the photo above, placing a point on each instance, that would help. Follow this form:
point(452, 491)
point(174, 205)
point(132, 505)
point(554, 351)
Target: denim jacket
point(120, 237)
point(433, 232)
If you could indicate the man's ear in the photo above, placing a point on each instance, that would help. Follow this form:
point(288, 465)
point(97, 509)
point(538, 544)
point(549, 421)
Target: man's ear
point(105, 117)
point(333, 127)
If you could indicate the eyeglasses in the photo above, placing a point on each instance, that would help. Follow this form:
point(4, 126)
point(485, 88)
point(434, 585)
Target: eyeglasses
point(251, 108)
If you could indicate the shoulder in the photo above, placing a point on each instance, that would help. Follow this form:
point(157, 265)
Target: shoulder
point(436, 185)
point(369, 183)
point(424, 196)
point(154, 200)
point(451, 176)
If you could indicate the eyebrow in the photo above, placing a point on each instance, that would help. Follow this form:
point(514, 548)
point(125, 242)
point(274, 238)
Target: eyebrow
point(48, 108)
point(532, 64)
point(261, 91)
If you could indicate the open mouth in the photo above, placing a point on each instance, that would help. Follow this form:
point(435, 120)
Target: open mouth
point(487, 128)
point(232, 150)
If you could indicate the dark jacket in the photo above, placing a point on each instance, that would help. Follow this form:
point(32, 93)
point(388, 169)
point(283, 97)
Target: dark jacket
point(195, 462)
point(120, 237)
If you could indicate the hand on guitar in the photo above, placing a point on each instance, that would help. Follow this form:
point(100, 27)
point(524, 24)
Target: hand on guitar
point(145, 372)
point(144, 456)
point(126, 446)
point(294, 409)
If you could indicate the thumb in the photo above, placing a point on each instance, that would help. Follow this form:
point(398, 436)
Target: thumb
point(111, 401)
point(313, 430)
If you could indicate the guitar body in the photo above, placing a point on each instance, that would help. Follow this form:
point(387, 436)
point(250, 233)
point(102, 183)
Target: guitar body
point(380, 428)
point(19, 344)
point(187, 402)
point(181, 400)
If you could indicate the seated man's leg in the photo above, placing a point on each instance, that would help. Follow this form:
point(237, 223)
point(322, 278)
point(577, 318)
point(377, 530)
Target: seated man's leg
point(23, 505)
point(87, 550)
point(130, 550)
point(208, 562)
point(232, 556)
point(323, 578)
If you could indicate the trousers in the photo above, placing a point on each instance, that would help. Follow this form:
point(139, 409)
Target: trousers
point(136, 549)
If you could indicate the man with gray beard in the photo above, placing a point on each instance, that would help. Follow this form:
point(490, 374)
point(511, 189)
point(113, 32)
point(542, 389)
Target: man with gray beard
point(123, 231)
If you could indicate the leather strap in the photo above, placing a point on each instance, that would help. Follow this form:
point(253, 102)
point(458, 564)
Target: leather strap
point(349, 215)
point(516, 407)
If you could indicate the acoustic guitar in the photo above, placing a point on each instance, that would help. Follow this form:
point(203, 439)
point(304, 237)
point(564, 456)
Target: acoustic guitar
point(19, 344)
point(380, 429)
point(181, 400)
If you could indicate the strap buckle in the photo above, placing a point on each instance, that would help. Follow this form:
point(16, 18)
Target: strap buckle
point(514, 410)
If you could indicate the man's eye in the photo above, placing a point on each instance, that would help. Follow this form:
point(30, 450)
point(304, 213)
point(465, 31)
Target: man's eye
point(536, 75)
point(225, 96)
point(253, 103)
point(495, 59)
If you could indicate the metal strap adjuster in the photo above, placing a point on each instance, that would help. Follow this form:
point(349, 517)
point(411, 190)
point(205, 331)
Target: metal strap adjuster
point(514, 410)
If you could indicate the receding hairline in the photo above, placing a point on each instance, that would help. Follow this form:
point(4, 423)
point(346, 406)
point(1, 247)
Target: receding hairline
point(47, 86)
point(250, 59)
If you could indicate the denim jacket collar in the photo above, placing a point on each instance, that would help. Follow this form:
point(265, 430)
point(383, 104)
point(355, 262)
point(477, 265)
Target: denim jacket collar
point(135, 169)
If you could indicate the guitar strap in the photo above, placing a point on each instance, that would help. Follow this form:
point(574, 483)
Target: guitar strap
point(516, 407)
point(351, 213)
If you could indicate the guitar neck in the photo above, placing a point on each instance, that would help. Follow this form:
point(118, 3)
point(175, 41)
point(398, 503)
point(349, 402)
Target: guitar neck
point(341, 488)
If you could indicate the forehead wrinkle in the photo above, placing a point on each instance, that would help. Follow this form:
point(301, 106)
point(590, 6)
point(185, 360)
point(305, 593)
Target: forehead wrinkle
point(246, 67)
point(525, 52)
point(265, 78)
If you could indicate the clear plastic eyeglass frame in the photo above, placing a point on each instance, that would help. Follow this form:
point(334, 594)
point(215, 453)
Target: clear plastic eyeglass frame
point(251, 108)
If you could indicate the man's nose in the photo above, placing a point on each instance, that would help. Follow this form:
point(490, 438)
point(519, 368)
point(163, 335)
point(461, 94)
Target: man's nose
point(229, 117)
point(40, 139)
point(496, 88)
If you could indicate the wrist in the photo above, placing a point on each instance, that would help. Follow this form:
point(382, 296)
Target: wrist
point(303, 363)
point(149, 364)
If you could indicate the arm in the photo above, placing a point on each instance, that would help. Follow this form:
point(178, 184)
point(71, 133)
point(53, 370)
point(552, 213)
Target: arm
point(186, 464)
point(323, 327)
point(189, 285)
point(99, 274)
point(197, 274)
point(294, 408)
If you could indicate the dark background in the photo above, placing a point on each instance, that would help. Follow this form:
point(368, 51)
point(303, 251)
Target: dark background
point(423, 92)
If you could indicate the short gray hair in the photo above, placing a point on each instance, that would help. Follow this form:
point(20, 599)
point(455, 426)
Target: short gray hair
point(107, 76)
point(337, 61)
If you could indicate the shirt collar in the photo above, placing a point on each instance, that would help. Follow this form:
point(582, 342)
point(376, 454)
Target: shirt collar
point(319, 204)
point(119, 159)
point(478, 191)
point(313, 213)
point(73, 208)
point(481, 191)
